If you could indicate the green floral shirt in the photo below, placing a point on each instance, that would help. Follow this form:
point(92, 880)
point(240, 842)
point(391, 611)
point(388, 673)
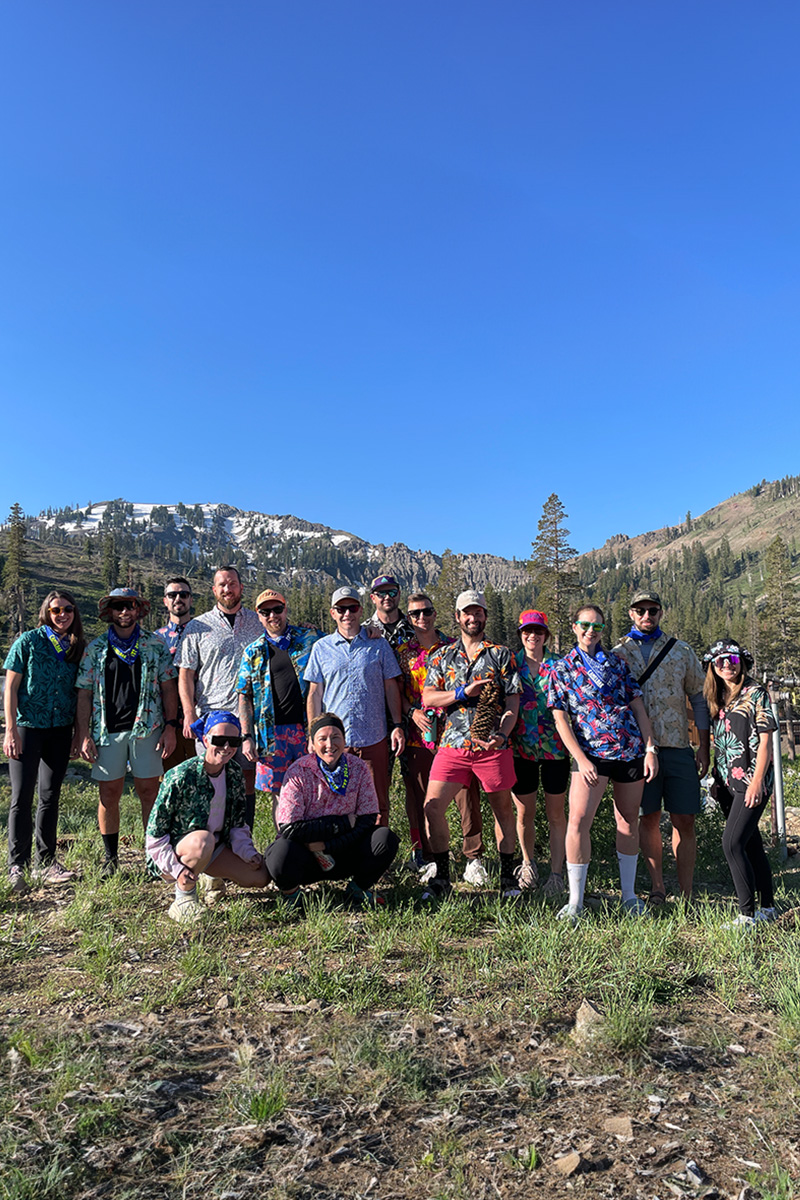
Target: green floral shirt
point(46, 697)
point(184, 802)
point(157, 668)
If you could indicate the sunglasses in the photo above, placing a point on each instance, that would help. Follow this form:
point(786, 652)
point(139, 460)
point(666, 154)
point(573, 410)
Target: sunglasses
point(536, 630)
point(341, 609)
point(176, 595)
point(121, 605)
point(727, 660)
point(596, 625)
point(647, 612)
point(65, 608)
point(420, 612)
point(277, 609)
point(387, 592)
point(222, 740)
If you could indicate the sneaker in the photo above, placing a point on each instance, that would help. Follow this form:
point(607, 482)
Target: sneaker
point(571, 913)
point(765, 914)
point(110, 866)
point(212, 888)
point(510, 888)
point(436, 890)
point(554, 886)
point(634, 907)
point(54, 872)
point(741, 922)
point(475, 873)
point(294, 899)
point(527, 876)
point(427, 873)
point(364, 897)
point(186, 912)
point(18, 882)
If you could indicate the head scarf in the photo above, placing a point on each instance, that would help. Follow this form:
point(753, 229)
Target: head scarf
point(218, 717)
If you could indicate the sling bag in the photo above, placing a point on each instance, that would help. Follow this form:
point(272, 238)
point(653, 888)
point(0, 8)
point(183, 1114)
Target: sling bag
point(656, 662)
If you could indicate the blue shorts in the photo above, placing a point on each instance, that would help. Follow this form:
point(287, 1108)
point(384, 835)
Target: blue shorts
point(112, 760)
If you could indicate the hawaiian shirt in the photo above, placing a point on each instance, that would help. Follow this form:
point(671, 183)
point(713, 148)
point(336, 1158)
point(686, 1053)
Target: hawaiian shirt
point(172, 634)
point(305, 793)
point(184, 800)
point(601, 718)
point(157, 668)
point(534, 735)
point(451, 667)
point(46, 697)
point(401, 633)
point(678, 676)
point(413, 659)
point(353, 675)
point(255, 680)
point(737, 731)
point(213, 649)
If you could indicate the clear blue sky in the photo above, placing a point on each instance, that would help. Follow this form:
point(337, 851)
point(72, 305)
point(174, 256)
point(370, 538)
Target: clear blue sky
point(404, 269)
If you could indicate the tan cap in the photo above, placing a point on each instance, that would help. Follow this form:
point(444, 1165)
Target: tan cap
point(269, 594)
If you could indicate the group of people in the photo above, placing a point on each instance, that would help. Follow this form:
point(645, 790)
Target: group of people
point(209, 710)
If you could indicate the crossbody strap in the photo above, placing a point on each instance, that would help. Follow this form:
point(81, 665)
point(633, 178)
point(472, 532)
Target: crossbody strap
point(656, 662)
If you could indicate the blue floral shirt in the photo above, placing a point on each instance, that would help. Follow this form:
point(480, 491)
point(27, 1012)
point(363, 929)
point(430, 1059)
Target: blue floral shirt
point(255, 679)
point(601, 718)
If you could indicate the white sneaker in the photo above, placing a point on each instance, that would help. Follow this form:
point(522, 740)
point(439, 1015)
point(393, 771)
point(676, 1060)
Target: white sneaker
point(428, 872)
point(741, 922)
point(635, 907)
point(212, 888)
point(187, 912)
point(475, 873)
point(571, 913)
point(766, 914)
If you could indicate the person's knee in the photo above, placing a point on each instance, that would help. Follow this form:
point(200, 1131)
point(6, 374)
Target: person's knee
point(651, 820)
point(683, 824)
point(195, 847)
point(385, 842)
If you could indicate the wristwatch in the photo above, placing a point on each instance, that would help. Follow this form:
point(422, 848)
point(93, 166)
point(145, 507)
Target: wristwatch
point(174, 722)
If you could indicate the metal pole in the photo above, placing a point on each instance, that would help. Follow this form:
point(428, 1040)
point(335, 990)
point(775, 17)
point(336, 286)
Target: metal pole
point(780, 807)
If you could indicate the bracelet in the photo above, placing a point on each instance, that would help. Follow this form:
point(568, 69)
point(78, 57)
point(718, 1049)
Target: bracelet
point(460, 693)
point(245, 736)
point(651, 750)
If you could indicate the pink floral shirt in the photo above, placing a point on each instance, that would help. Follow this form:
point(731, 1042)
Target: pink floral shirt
point(305, 793)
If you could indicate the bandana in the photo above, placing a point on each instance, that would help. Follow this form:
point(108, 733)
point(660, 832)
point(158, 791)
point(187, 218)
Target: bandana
point(338, 778)
point(218, 717)
point(59, 644)
point(281, 642)
point(636, 635)
point(597, 667)
point(125, 648)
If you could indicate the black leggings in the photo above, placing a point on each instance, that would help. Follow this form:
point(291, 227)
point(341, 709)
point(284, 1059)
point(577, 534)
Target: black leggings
point(291, 864)
point(44, 758)
point(744, 849)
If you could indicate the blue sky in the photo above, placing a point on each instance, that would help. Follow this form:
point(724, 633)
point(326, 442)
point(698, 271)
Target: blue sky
point(402, 269)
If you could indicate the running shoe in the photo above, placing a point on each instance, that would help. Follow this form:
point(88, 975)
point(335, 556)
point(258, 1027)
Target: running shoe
point(571, 913)
point(54, 872)
point(364, 897)
point(18, 882)
point(527, 876)
point(186, 911)
point(475, 873)
point(554, 886)
point(436, 890)
point(634, 907)
point(741, 922)
point(765, 914)
point(110, 866)
point(510, 887)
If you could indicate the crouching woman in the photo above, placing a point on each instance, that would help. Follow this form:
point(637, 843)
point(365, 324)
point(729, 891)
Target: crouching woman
point(197, 825)
point(326, 816)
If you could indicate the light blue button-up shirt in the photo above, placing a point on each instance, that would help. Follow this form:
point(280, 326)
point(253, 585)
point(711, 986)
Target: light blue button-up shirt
point(352, 675)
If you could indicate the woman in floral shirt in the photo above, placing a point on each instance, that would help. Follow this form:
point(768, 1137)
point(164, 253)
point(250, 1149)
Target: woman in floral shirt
point(743, 725)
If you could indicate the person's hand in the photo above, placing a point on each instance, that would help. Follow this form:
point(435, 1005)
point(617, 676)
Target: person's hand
point(398, 740)
point(701, 761)
point(755, 790)
point(75, 746)
point(187, 726)
point(249, 749)
point(495, 742)
point(422, 722)
point(88, 750)
point(474, 689)
point(316, 847)
point(12, 747)
point(256, 859)
point(188, 877)
point(372, 631)
point(587, 770)
point(650, 765)
point(167, 741)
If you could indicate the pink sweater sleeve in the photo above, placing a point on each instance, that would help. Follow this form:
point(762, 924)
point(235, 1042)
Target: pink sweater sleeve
point(242, 843)
point(162, 854)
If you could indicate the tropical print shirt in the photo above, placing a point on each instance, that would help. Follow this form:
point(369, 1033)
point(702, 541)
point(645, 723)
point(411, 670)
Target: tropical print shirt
point(183, 805)
point(678, 676)
point(172, 633)
point(601, 718)
point(305, 793)
point(413, 659)
point(401, 633)
point(353, 675)
point(737, 732)
point(46, 697)
point(157, 668)
point(255, 680)
point(451, 667)
point(534, 735)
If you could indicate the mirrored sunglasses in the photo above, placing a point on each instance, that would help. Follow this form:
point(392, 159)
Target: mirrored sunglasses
point(122, 605)
point(727, 660)
point(584, 625)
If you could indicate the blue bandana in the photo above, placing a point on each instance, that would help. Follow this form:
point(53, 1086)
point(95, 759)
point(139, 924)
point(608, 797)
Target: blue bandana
point(59, 644)
point(597, 666)
point(636, 635)
point(125, 648)
point(338, 778)
point(218, 717)
point(281, 642)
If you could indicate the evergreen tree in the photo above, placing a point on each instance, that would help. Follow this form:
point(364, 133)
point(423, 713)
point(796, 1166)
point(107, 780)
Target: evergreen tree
point(781, 626)
point(13, 573)
point(495, 617)
point(557, 585)
point(448, 585)
point(110, 566)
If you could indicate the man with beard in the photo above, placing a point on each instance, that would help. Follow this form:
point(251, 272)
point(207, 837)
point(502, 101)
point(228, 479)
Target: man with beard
point(387, 618)
point(209, 658)
point(456, 677)
point(127, 711)
point(178, 603)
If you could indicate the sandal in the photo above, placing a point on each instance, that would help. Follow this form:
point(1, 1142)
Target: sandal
point(657, 898)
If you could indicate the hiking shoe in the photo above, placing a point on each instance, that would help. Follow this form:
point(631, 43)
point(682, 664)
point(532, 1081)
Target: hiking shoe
point(510, 888)
point(741, 922)
point(364, 897)
point(527, 876)
point(571, 913)
point(212, 888)
point(475, 873)
point(554, 886)
point(18, 882)
point(428, 872)
point(436, 890)
point(634, 907)
point(186, 912)
point(765, 914)
point(54, 872)
point(416, 860)
point(110, 866)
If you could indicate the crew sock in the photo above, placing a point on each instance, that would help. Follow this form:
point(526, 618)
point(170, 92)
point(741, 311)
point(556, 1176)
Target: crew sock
point(182, 897)
point(506, 866)
point(576, 876)
point(627, 874)
point(442, 865)
point(111, 843)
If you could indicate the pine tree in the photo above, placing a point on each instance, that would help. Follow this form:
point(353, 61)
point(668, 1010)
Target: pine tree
point(781, 626)
point(13, 573)
point(495, 617)
point(448, 585)
point(110, 567)
point(557, 585)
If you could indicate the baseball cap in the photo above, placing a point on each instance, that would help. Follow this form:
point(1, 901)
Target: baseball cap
point(269, 594)
point(470, 596)
point(532, 616)
point(644, 594)
point(345, 593)
point(384, 581)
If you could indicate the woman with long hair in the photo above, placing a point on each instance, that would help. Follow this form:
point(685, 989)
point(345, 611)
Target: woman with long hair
point(40, 700)
point(743, 773)
point(601, 718)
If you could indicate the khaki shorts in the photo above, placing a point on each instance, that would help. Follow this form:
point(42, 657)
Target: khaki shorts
point(123, 748)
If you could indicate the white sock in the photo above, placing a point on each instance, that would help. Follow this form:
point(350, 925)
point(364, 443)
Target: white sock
point(576, 876)
point(185, 897)
point(627, 874)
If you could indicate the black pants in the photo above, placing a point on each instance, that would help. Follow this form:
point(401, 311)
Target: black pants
point(291, 864)
point(44, 757)
point(744, 849)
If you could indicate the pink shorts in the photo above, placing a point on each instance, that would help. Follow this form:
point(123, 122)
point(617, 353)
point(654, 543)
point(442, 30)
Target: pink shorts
point(494, 769)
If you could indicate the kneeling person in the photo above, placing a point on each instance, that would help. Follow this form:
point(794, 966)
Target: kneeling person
point(197, 825)
point(327, 813)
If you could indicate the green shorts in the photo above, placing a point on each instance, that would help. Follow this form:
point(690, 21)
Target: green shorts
point(112, 760)
point(677, 784)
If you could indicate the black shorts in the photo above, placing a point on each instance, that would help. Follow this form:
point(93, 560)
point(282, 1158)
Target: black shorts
point(554, 775)
point(618, 770)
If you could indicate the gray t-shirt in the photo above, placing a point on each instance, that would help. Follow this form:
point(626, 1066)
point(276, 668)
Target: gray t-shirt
point(213, 649)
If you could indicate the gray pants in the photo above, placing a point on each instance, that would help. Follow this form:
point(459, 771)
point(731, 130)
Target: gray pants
point(44, 758)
